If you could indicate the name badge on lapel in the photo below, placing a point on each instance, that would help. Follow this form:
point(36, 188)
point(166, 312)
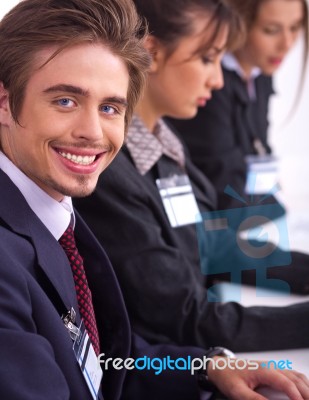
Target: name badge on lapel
point(84, 353)
point(178, 200)
point(262, 174)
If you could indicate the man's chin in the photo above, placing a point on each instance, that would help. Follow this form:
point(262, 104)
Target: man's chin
point(81, 191)
point(83, 188)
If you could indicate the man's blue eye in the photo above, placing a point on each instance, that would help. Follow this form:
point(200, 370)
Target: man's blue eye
point(108, 109)
point(64, 102)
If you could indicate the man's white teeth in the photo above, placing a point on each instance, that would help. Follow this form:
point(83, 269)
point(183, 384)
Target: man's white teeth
point(82, 160)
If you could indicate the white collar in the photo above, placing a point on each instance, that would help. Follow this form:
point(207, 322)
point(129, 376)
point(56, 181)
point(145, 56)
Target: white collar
point(231, 63)
point(56, 216)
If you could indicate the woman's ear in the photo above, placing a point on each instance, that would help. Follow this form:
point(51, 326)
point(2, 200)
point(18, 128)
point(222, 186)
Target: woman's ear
point(5, 112)
point(156, 51)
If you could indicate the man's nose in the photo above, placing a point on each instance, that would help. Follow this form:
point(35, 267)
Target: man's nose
point(89, 126)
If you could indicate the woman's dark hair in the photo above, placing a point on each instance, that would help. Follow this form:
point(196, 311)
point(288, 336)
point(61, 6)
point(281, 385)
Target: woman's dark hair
point(169, 21)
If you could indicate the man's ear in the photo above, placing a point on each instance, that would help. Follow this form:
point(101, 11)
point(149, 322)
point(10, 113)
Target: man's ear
point(156, 51)
point(5, 112)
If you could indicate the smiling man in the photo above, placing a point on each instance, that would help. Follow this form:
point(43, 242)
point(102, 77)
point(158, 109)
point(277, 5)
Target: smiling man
point(85, 128)
point(70, 76)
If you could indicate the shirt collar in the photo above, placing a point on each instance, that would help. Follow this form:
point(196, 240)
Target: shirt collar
point(231, 63)
point(147, 148)
point(56, 216)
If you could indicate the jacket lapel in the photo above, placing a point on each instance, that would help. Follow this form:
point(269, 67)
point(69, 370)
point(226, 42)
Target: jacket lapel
point(52, 261)
point(55, 264)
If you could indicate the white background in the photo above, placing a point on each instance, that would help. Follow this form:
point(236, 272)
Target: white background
point(4, 8)
point(289, 137)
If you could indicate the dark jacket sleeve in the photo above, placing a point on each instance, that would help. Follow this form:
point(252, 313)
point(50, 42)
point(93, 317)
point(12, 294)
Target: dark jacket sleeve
point(162, 381)
point(165, 294)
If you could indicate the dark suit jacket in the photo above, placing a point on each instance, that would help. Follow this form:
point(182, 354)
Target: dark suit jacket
point(159, 270)
point(36, 287)
point(222, 134)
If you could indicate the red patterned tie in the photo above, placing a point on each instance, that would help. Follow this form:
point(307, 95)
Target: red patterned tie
point(83, 292)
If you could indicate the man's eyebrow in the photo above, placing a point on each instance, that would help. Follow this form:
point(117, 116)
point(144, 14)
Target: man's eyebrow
point(67, 88)
point(116, 99)
point(78, 90)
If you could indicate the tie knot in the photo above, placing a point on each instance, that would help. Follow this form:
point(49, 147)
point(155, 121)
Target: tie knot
point(67, 240)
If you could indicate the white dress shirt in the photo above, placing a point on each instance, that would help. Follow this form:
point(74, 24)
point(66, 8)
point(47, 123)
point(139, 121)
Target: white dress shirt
point(231, 63)
point(56, 216)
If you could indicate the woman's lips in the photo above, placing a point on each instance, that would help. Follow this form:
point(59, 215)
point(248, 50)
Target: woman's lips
point(275, 60)
point(202, 101)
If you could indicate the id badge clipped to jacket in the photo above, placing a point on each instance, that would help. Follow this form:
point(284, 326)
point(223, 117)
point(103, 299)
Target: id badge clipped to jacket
point(262, 174)
point(84, 353)
point(178, 200)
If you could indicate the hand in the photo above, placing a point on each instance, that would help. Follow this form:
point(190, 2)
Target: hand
point(239, 384)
